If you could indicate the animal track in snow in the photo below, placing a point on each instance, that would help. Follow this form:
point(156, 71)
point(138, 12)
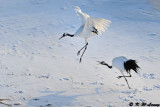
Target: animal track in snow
point(147, 89)
point(96, 83)
point(156, 87)
point(150, 76)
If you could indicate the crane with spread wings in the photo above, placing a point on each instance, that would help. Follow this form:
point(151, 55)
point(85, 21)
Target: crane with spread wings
point(90, 27)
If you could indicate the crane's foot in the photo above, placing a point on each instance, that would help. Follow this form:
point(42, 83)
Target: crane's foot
point(78, 53)
point(119, 77)
point(80, 60)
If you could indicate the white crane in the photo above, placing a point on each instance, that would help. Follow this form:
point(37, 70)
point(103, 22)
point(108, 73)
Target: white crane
point(123, 65)
point(89, 27)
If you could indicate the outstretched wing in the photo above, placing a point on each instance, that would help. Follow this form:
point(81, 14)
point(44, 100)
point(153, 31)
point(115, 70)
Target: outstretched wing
point(98, 24)
point(82, 15)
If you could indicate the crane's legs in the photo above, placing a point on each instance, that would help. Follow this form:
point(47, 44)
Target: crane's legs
point(83, 51)
point(124, 76)
point(126, 81)
point(82, 54)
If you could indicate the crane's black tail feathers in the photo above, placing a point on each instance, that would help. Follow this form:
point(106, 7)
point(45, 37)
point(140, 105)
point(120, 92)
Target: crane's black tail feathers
point(131, 64)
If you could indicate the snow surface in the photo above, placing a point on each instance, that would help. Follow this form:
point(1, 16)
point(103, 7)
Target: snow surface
point(38, 70)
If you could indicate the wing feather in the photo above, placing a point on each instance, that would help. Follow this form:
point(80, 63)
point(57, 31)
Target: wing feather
point(82, 15)
point(99, 23)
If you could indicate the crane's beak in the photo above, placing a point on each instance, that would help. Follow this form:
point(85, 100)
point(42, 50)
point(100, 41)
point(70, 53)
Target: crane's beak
point(99, 62)
point(62, 36)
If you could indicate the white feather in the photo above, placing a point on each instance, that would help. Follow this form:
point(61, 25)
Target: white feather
point(82, 15)
point(118, 62)
point(100, 24)
point(86, 29)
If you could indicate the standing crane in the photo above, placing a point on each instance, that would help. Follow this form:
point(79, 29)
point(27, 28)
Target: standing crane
point(89, 27)
point(123, 65)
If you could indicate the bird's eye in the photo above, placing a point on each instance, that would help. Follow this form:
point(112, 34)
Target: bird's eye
point(102, 62)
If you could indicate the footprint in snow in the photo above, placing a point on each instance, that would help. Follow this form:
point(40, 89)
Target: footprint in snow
point(96, 83)
point(147, 89)
point(44, 76)
point(20, 92)
point(142, 100)
point(49, 105)
point(50, 47)
point(36, 99)
point(156, 87)
point(152, 34)
point(65, 79)
point(130, 96)
point(17, 104)
point(149, 76)
point(123, 98)
point(119, 84)
point(80, 83)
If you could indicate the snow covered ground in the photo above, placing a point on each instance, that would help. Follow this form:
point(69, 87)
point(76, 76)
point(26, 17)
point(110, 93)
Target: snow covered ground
point(38, 70)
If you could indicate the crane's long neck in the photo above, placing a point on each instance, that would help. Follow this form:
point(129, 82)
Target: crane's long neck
point(69, 35)
point(107, 65)
point(65, 34)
